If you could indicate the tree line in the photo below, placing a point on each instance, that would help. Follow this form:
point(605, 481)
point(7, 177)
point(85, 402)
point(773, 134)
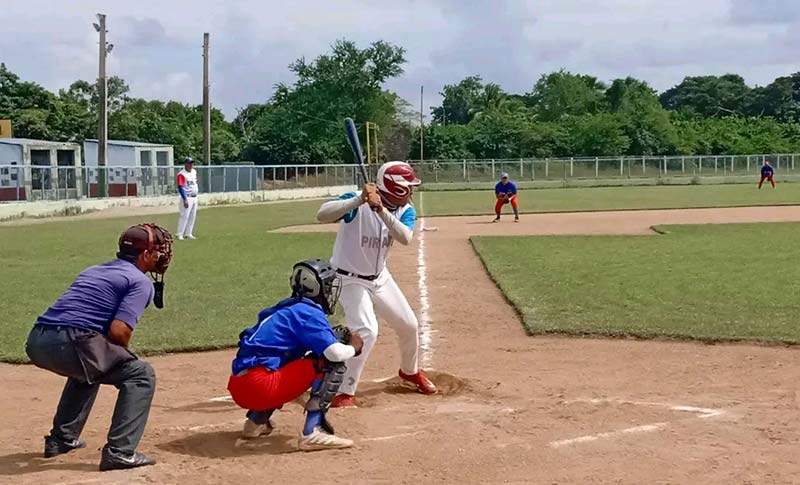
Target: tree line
point(563, 114)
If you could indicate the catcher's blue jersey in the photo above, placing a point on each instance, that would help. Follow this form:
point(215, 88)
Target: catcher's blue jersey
point(284, 333)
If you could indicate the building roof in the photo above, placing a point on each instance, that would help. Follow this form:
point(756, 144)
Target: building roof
point(28, 141)
point(131, 143)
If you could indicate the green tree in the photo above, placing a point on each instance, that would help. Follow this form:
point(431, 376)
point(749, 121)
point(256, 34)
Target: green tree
point(443, 142)
point(600, 134)
point(707, 96)
point(780, 99)
point(303, 122)
point(561, 94)
point(644, 121)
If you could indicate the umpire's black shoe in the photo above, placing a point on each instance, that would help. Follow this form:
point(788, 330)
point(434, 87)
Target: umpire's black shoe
point(56, 446)
point(116, 460)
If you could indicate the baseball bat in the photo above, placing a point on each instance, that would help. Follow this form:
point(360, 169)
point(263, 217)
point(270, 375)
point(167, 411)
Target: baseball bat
point(355, 145)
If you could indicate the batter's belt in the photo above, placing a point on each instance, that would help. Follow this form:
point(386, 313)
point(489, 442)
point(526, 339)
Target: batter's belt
point(354, 275)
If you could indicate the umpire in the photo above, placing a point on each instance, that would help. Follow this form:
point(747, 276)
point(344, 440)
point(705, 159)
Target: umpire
point(84, 337)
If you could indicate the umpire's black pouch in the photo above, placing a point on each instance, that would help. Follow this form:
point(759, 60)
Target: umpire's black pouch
point(81, 354)
point(98, 354)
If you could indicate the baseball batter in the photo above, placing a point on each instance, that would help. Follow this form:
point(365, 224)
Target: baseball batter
point(370, 223)
point(187, 188)
point(506, 192)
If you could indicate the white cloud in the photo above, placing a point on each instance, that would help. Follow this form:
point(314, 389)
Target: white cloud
point(158, 43)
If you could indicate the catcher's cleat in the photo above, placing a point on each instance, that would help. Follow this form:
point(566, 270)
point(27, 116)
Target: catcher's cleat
point(55, 446)
point(424, 385)
point(344, 401)
point(496, 219)
point(320, 440)
point(253, 430)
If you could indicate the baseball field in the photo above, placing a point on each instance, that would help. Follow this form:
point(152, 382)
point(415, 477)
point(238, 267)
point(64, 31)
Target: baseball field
point(516, 320)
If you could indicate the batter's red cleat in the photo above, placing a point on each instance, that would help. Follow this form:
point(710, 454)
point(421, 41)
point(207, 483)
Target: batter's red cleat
point(424, 385)
point(344, 401)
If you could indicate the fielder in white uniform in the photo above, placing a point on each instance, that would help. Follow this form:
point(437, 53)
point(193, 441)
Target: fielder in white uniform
point(370, 223)
point(187, 188)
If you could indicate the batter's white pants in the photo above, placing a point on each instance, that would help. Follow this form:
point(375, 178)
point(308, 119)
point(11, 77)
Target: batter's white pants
point(361, 300)
point(187, 217)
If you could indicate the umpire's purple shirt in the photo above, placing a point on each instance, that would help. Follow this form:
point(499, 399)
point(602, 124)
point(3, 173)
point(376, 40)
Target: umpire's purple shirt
point(116, 290)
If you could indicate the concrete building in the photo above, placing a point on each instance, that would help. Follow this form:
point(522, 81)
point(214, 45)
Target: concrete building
point(39, 169)
point(134, 168)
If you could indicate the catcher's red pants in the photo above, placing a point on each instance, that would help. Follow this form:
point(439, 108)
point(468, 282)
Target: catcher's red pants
point(262, 389)
point(498, 207)
point(766, 177)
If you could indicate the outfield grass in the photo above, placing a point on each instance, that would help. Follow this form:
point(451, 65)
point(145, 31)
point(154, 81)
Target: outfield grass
point(214, 288)
point(707, 282)
point(474, 202)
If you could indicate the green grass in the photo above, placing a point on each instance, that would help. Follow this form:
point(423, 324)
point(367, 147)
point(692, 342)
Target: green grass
point(707, 282)
point(214, 287)
point(474, 202)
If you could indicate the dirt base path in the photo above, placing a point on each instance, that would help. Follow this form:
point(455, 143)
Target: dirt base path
point(512, 408)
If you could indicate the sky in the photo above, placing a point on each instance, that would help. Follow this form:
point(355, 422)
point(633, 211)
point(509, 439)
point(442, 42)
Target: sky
point(158, 44)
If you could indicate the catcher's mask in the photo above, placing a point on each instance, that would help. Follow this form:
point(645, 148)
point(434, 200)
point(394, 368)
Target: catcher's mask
point(151, 238)
point(317, 280)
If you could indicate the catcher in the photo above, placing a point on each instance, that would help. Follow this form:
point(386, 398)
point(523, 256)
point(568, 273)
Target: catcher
point(293, 348)
point(506, 192)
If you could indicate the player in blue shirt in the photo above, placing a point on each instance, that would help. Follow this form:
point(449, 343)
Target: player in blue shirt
point(767, 173)
point(293, 348)
point(506, 192)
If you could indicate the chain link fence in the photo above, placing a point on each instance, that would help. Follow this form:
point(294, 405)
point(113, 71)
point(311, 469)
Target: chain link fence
point(599, 168)
point(29, 183)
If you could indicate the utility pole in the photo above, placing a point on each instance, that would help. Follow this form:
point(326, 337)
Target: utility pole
point(421, 124)
point(206, 105)
point(102, 111)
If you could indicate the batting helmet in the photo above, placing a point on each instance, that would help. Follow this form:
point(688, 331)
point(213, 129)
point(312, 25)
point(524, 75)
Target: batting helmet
point(317, 280)
point(396, 180)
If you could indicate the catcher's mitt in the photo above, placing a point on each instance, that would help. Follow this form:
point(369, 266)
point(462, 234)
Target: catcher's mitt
point(342, 333)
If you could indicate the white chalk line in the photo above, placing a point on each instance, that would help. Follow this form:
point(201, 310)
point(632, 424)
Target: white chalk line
point(221, 399)
point(645, 428)
point(394, 436)
point(425, 338)
point(701, 413)
point(201, 427)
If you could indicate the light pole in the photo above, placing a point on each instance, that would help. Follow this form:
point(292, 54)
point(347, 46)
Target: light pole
point(102, 109)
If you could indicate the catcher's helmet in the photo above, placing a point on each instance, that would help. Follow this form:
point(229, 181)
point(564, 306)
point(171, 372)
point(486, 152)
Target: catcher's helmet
point(316, 279)
point(396, 179)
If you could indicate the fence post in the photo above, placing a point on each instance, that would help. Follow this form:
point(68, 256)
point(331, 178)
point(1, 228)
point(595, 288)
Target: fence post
point(683, 165)
point(716, 159)
point(571, 167)
point(665, 164)
point(644, 163)
point(596, 167)
point(436, 171)
point(621, 166)
point(533, 169)
point(547, 168)
point(520, 168)
point(464, 170)
point(792, 161)
point(779, 161)
point(493, 172)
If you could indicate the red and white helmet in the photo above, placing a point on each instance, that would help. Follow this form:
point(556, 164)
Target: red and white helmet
point(396, 178)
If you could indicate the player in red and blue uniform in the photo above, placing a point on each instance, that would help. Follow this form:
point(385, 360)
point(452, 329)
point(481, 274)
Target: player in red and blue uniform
point(767, 173)
point(506, 192)
point(293, 348)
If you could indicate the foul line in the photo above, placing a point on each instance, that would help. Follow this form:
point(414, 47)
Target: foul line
point(426, 341)
point(221, 399)
point(701, 413)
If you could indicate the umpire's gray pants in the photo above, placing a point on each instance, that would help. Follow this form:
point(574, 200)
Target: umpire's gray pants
point(54, 348)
